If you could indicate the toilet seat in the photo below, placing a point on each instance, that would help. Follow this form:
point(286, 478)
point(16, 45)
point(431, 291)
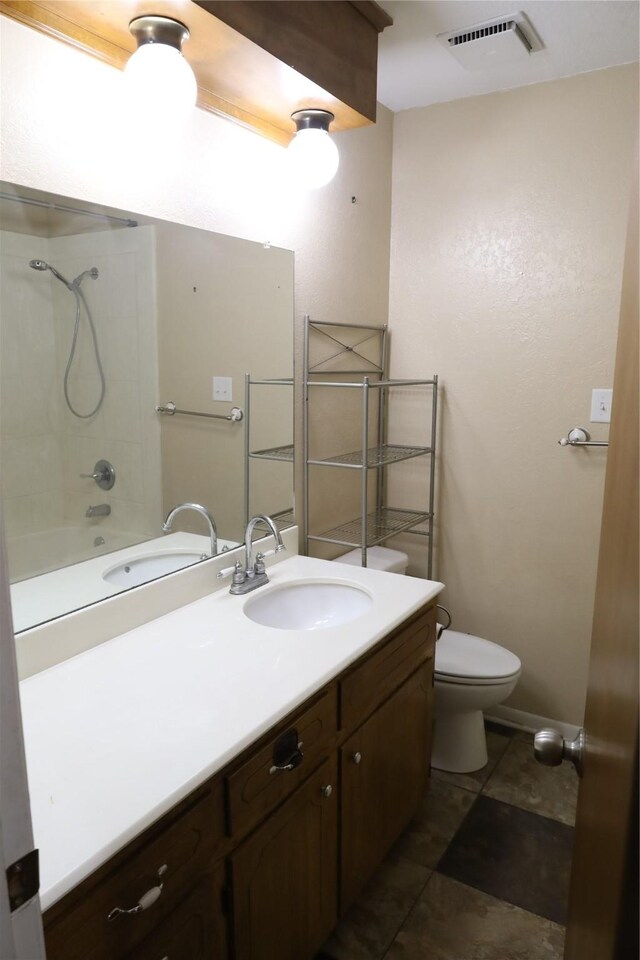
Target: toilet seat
point(465, 659)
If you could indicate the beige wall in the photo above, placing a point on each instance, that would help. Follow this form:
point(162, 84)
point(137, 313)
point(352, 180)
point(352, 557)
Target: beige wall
point(225, 308)
point(508, 226)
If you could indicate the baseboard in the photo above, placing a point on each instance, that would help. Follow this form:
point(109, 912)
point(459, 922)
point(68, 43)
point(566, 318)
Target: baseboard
point(531, 722)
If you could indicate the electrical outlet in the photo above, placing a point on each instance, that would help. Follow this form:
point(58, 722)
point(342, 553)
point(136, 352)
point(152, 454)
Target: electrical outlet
point(601, 406)
point(223, 388)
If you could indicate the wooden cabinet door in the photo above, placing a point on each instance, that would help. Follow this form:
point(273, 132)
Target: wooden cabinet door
point(284, 877)
point(384, 772)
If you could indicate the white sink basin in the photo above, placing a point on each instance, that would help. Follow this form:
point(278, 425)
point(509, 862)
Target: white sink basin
point(308, 606)
point(131, 573)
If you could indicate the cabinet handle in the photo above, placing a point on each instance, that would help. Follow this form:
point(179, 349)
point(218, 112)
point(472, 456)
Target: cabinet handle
point(293, 754)
point(356, 757)
point(146, 900)
point(326, 791)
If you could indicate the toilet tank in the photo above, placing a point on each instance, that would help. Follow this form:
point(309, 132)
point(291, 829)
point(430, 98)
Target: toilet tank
point(378, 558)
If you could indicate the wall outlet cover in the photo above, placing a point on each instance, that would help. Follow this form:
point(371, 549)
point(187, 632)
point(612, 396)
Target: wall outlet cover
point(223, 388)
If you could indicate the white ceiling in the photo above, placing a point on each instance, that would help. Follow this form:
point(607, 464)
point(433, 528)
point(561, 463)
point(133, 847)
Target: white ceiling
point(414, 70)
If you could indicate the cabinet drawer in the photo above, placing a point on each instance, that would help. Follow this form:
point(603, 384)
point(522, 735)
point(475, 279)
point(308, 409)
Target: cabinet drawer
point(373, 681)
point(196, 930)
point(255, 788)
point(184, 841)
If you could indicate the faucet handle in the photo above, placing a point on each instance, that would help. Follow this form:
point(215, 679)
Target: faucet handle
point(236, 569)
point(259, 566)
point(103, 474)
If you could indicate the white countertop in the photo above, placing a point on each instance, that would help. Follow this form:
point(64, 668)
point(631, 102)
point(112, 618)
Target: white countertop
point(117, 735)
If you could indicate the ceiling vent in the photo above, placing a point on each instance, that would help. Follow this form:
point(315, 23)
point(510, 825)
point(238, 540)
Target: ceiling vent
point(493, 43)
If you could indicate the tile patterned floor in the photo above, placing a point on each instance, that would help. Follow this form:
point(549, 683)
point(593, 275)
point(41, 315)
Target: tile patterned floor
point(480, 874)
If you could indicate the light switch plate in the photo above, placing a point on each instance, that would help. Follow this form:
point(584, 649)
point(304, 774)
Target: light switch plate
point(601, 406)
point(223, 388)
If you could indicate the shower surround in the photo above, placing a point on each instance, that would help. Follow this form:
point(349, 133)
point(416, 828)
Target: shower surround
point(43, 447)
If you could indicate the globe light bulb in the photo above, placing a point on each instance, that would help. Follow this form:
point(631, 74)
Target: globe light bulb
point(313, 156)
point(158, 77)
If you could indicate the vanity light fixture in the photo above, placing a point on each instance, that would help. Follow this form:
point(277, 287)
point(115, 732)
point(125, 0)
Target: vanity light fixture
point(157, 74)
point(312, 152)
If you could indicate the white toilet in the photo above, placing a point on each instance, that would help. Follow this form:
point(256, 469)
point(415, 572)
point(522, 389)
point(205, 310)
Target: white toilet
point(471, 675)
point(378, 558)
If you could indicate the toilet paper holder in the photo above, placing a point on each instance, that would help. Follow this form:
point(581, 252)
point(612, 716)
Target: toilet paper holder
point(439, 627)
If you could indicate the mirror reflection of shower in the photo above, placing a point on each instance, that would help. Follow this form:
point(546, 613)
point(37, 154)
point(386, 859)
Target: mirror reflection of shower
point(74, 287)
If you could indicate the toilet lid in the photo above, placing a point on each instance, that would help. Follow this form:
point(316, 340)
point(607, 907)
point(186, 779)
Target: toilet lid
point(464, 656)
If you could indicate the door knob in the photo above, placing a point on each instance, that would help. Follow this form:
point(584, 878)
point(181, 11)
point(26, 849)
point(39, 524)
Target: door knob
point(550, 748)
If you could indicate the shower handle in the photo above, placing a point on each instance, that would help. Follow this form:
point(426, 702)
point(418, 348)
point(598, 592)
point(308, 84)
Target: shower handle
point(103, 474)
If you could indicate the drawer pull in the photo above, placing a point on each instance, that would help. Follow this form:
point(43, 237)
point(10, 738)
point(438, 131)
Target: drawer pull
point(146, 900)
point(356, 757)
point(326, 791)
point(287, 752)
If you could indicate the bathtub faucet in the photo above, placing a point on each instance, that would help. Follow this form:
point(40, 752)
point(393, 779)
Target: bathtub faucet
point(100, 510)
point(167, 525)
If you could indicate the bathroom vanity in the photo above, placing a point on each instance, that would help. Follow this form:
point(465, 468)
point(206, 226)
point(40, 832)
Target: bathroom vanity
point(275, 836)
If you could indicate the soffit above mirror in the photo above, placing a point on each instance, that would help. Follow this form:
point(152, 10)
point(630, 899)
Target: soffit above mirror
point(255, 62)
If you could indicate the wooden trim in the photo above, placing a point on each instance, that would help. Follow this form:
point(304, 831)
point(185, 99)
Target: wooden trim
point(316, 53)
point(327, 41)
point(374, 13)
point(59, 28)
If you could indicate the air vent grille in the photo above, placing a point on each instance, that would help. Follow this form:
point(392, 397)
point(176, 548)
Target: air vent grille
point(489, 31)
point(506, 39)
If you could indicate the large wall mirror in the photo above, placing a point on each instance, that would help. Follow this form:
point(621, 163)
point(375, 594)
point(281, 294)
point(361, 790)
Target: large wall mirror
point(104, 317)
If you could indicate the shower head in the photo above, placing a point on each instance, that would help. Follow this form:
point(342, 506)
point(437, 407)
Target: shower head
point(93, 273)
point(43, 265)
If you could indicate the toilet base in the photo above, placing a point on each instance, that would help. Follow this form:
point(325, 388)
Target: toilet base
point(459, 742)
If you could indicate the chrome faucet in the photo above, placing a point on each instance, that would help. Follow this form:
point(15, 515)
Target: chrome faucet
point(168, 524)
point(254, 574)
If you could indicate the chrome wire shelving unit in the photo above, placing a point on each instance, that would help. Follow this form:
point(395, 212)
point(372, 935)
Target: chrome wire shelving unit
point(282, 453)
point(360, 355)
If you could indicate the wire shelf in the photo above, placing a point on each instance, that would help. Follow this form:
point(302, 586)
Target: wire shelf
point(381, 524)
point(284, 452)
point(376, 456)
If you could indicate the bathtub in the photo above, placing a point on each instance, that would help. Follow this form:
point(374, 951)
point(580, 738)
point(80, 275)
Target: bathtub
point(55, 592)
point(33, 554)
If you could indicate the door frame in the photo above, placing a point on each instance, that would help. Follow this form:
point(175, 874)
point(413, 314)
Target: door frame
point(21, 934)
